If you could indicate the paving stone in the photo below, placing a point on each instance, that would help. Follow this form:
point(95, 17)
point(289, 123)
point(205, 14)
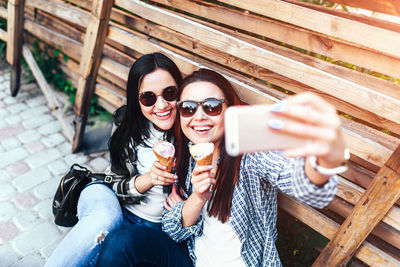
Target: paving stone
point(75, 158)
point(10, 131)
point(10, 143)
point(36, 101)
point(8, 256)
point(25, 200)
point(7, 191)
point(65, 148)
point(27, 219)
point(47, 189)
point(50, 128)
point(8, 231)
point(4, 113)
point(7, 210)
point(44, 209)
point(33, 260)
point(24, 245)
point(99, 164)
point(3, 124)
point(18, 168)
point(53, 140)
point(4, 176)
point(13, 119)
point(34, 112)
point(2, 149)
point(58, 167)
point(37, 121)
point(29, 136)
point(48, 250)
point(13, 109)
point(2, 104)
point(9, 100)
point(35, 147)
point(2, 95)
point(12, 156)
point(42, 158)
point(31, 179)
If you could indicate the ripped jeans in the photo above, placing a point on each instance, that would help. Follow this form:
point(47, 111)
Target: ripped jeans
point(99, 213)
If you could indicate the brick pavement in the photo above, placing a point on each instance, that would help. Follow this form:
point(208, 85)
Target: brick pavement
point(34, 154)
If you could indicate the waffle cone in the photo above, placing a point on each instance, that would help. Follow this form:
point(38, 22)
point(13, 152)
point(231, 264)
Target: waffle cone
point(167, 162)
point(207, 160)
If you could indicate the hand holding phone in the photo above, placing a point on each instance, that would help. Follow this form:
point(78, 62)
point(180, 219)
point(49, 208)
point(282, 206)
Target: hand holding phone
point(247, 129)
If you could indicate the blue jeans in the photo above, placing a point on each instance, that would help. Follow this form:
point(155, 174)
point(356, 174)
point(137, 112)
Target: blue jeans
point(141, 246)
point(99, 214)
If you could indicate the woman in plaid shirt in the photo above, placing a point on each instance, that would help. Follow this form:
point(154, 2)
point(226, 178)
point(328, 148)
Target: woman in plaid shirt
point(229, 215)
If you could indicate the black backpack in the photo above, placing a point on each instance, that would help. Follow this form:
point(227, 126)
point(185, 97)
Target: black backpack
point(65, 201)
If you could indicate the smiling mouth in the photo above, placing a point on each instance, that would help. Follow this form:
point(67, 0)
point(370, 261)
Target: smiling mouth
point(163, 114)
point(201, 128)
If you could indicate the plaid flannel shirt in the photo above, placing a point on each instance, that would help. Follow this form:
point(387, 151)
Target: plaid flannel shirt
point(254, 204)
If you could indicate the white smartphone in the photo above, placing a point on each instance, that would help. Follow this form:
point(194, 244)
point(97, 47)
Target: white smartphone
point(247, 130)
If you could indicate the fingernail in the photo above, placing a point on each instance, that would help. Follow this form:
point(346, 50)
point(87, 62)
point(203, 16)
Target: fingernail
point(175, 176)
point(278, 107)
point(276, 124)
point(164, 167)
point(211, 167)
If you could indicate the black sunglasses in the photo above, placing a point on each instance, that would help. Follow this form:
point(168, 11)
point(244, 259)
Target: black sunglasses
point(149, 98)
point(211, 106)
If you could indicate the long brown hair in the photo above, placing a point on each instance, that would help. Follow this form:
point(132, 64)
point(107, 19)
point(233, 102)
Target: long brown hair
point(226, 176)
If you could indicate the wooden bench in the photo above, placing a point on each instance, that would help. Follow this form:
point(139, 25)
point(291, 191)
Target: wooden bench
point(268, 49)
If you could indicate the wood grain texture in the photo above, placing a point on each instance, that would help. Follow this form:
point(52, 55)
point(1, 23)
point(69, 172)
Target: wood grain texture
point(391, 7)
point(373, 37)
point(291, 34)
point(48, 93)
point(64, 11)
point(380, 196)
point(368, 253)
point(326, 82)
point(89, 64)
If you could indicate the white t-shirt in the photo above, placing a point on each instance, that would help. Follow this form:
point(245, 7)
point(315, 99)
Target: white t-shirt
point(151, 207)
point(219, 245)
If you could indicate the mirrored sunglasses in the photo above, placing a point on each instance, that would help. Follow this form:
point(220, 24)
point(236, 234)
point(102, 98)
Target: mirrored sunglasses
point(211, 106)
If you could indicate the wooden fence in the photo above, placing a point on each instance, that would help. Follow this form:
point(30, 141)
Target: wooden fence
point(267, 49)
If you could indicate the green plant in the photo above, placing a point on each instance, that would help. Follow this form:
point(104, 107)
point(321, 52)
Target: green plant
point(48, 62)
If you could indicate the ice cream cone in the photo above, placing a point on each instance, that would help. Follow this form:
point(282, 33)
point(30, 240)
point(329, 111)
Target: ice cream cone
point(164, 152)
point(202, 153)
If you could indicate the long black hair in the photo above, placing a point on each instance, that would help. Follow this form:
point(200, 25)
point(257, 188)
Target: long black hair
point(134, 127)
point(228, 169)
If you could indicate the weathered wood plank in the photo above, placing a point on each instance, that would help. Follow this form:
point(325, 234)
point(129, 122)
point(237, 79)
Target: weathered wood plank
point(370, 20)
point(69, 46)
point(353, 193)
point(91, 55)
point(3, 12)
point(15, 26)
point(292, 35)
point(326, 82)
point(391, 7)
point(352, 31)
point(48, 93)
point(371, 208)
point(64, 11)
point(327, 227)
point(3, 35)
point(382, 230)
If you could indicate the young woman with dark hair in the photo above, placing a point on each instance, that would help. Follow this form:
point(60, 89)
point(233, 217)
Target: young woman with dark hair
point(148, 116)
point(229, 215)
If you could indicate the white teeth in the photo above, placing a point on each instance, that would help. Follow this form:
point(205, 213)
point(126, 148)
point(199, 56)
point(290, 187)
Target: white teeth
point(202, 128)
point(163, 113)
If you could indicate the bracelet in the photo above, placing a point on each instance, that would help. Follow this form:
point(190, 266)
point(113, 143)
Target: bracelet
point(329, 171)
